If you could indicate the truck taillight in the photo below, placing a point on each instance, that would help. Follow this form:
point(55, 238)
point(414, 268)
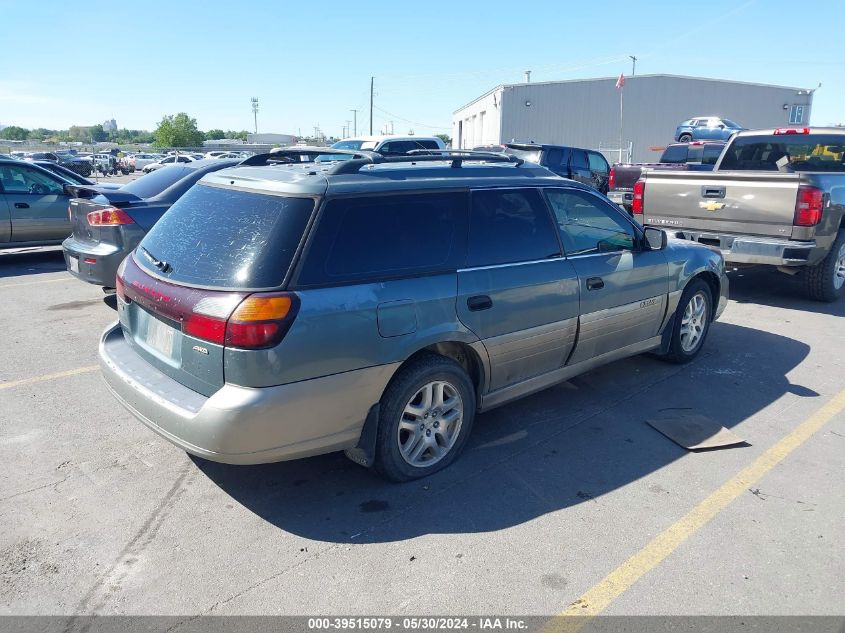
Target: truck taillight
point(808, 206)
point(791, 130)
point(638, 203)
point(110, 216)
point(611, 179)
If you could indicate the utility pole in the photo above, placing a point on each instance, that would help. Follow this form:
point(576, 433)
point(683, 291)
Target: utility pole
point(355, 122)
point(372, 80)
point(633, 64)
point(254, 102)
point(348, 128)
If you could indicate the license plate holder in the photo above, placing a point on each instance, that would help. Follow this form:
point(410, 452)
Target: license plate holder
point(159, 336)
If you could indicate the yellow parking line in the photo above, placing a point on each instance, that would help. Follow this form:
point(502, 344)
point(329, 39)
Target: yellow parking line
point(62, 374)
point(601, 595)
point(32, 283)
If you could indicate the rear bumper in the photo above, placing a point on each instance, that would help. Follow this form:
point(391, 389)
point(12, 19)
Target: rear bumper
point(103, 271)
point(739, 249)
point(243, 425)
point(624, 199)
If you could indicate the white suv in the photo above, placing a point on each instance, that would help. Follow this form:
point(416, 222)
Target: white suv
point(390, 145)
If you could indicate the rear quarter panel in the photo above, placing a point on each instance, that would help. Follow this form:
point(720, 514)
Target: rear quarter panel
point(352, 327)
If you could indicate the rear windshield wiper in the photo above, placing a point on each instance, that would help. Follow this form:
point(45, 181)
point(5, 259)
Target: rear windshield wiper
point(158, 263)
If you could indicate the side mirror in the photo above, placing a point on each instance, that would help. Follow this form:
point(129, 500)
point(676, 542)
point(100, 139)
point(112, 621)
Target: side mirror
point(655, 238)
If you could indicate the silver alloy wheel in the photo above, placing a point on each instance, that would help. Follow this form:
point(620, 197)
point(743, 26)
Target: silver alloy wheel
point(430, 424)
point(693, 322)
point(839, 269)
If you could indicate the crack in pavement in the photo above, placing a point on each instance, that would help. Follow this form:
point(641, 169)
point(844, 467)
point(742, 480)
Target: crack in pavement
point(143, 537)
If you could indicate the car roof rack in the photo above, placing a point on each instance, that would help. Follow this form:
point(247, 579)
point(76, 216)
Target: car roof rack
point(457, 156)
point(287, 156)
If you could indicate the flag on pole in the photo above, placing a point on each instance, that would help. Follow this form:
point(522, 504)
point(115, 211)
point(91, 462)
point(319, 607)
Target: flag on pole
point(620, 82)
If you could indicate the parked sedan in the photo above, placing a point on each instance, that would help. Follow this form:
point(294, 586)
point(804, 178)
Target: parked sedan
point(108, 224)
point(33, 205)
point(706, 128)
point(170, 160)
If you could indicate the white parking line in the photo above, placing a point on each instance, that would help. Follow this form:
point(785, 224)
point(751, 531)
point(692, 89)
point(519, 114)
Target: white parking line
point(62, 374)
point(32, 283)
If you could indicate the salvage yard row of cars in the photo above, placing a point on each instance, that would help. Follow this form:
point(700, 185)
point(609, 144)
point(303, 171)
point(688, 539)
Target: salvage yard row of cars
point(320, 299)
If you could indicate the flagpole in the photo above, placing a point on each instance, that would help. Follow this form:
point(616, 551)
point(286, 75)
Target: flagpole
point(621, 120)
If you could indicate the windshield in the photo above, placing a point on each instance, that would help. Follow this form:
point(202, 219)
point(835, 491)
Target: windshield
point(156, 181)
point(786, 152)
point(532, 155)
point(348, 145)
point(730, 123)
point(228, 239)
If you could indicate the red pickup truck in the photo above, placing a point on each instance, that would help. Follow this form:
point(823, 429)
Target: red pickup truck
point(695, 156)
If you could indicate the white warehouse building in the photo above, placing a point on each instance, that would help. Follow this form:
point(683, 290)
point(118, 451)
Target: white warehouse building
point(586, 112)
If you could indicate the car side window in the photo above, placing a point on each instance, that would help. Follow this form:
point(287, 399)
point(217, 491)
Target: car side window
point(711, 154)
point(509, 226)
point(675, 154)
point(371, 238)
point(554, 157)
point(21, 179)
point(589, 225)
point(579, 159)
point(597, 163)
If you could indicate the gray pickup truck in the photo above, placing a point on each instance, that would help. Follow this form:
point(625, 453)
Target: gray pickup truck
point(775, 197)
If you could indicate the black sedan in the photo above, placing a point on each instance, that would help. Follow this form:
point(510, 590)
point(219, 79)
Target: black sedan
point(108, 224)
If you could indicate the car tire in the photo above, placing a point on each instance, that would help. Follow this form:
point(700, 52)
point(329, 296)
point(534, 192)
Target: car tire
point(425, 418)
point(692, 322)
point(685, 138)
point(826, 281)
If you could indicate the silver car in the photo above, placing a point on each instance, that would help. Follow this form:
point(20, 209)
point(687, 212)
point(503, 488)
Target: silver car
point(377, 304)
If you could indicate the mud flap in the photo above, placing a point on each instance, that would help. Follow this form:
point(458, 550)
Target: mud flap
point(666, 339)
point(364, 453)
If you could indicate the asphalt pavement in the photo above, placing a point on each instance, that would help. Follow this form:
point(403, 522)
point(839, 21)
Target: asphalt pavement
point(563, 501)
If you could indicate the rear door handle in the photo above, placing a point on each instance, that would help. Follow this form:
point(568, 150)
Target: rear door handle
point(21, 205)
point(595, 283)
point(479, 302)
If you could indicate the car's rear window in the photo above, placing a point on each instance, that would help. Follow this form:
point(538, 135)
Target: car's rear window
point(530, 155)
point(786, 152)
point(225, 238)
point(156, 181)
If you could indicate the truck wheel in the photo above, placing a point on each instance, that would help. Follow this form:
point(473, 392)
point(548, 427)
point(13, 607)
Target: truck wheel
point(692, 322)
point(826, 281)
point(425, 418)
point(684, 138)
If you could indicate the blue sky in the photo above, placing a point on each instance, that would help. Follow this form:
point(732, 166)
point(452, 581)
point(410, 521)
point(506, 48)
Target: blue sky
point(309, 63)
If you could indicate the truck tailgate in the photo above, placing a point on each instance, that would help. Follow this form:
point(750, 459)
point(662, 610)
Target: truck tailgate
point(739, 203)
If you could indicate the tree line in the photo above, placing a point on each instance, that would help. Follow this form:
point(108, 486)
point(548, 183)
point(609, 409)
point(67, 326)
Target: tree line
point(177, 130)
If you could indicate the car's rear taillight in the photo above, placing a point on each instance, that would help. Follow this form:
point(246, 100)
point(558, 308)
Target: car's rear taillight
point(119, 286)
point(638, 203)
point(808, 206)
point(611, 179)
point(110, 216)
point(258, 321)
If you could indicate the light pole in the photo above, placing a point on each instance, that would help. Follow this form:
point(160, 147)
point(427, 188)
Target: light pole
point(355, 122)
point(633, 64)
point(254, 102)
